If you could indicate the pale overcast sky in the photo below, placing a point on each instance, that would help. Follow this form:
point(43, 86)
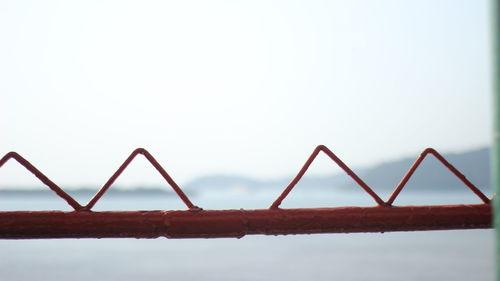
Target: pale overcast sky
point(237, 87)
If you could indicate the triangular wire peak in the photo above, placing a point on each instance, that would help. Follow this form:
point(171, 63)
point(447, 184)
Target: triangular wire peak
point(155, 164)
point(342, 165)
point(43, 178)
point(445, 163)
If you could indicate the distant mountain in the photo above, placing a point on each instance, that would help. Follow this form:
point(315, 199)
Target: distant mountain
point(382, 177)
point(431, 174)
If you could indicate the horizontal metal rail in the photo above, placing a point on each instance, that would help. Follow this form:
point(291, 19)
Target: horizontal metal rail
point(238, 223)
point(198, 223)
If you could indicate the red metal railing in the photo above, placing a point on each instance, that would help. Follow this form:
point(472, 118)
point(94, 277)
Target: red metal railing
point(196, 222)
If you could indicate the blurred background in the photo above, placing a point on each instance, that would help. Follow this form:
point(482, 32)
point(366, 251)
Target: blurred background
point(231, 97)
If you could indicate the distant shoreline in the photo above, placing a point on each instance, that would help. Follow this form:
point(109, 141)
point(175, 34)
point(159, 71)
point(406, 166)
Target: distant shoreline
point(43, 191)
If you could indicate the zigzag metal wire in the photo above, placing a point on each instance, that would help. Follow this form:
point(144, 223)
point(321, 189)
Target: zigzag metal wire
point(321, 148)
point(73, 203)
point(363, 185)
point(13, 155)
point(443, 161)
point(339, 162)
point(155, 164)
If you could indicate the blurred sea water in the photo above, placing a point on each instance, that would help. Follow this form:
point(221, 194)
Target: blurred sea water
point(429, 255)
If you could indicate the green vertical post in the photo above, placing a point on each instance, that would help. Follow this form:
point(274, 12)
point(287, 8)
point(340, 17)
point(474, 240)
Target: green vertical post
point(495, 6)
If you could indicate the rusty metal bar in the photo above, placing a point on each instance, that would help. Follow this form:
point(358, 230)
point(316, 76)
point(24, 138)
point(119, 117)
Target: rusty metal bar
point(238, 223)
